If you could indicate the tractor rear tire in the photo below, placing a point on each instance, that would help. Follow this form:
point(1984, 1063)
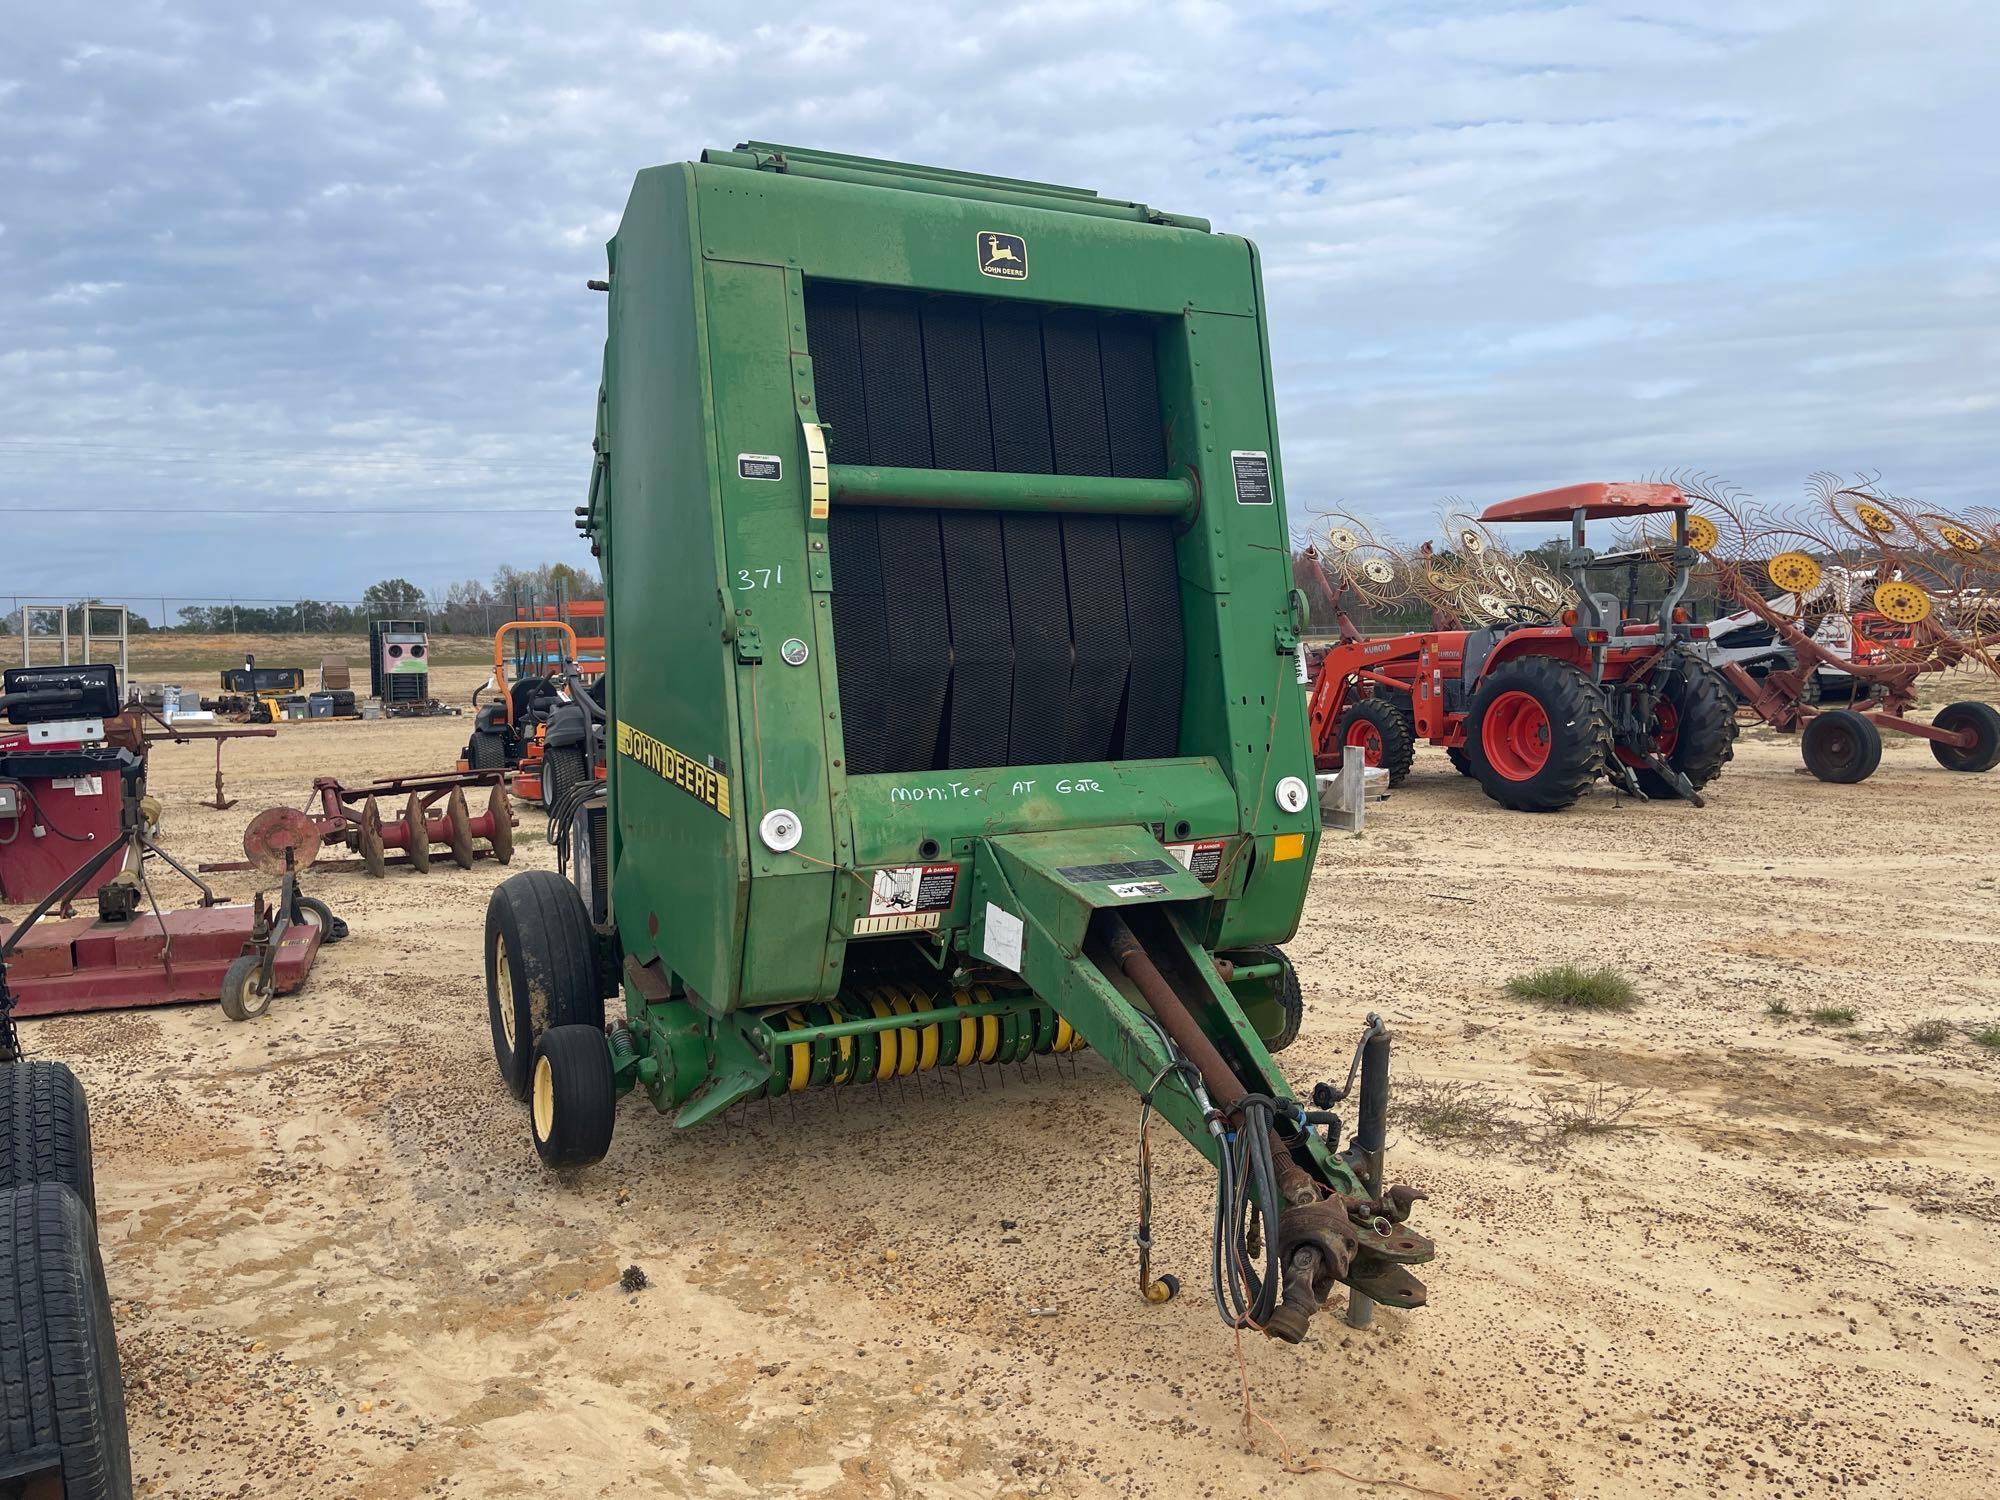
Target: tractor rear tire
point(562, 768)
point(62, 1398)
point(1383, 734)
point(541, 969)
point(488, 752)
point(1984, 722)
point(573, 1100)
point(45, 1129)
point(1839, 745)
point(1704, 723)
point(1538, 734)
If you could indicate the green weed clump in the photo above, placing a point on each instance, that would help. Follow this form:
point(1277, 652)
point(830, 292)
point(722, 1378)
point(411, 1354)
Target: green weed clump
point(1577, 988)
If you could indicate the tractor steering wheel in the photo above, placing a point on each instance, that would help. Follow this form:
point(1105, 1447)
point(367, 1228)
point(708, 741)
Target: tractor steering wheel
point(1528, 614)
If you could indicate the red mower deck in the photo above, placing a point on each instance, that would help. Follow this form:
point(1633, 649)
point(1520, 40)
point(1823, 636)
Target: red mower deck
point(84, 964)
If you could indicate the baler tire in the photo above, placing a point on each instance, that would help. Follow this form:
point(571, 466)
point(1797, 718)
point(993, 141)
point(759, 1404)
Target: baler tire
point(573, 1097)
point(1460, 761)
point(1574, 716)
point(1291, 1000)
point(1705, 729)
point(539, 944)
point(239, 998)
point(1841, 746)
point(1984, 721)
point(1396, 747)
point(45, 1129)
point(61, 1392)
point(487, 752)
point(564, 767)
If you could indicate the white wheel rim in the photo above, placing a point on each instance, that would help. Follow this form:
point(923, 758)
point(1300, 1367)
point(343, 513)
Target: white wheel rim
point(503, 989)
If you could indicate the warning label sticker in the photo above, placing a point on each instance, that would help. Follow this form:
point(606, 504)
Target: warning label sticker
point(912, 888)
point(1131, 888)
point(1253, 477)
point(1202, 859)
point(759, 466)
point(909, 921)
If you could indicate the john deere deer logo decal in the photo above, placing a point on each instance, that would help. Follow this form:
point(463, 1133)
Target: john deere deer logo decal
point(1003, 255)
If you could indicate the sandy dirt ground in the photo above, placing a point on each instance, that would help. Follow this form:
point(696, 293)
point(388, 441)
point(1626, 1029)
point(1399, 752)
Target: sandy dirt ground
point(338, 1269)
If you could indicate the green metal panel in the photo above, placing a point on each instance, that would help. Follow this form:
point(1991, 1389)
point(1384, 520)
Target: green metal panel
point(717, 568)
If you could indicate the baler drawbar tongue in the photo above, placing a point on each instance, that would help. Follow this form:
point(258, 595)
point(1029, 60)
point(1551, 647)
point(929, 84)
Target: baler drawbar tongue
point(1107, 934)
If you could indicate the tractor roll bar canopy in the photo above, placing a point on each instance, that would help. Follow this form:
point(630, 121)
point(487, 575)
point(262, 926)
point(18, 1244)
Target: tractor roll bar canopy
point(1592, 501)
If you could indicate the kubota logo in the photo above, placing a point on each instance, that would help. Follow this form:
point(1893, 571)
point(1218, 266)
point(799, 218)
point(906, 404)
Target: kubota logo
point(1003, 255)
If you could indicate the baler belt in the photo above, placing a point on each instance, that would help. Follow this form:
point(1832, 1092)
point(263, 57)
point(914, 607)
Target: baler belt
point(968, 638)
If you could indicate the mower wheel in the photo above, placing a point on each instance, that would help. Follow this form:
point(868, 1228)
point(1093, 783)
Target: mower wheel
point(541, 969)
point(45, 1129)
point(62, 1401)
point(574, 1096)
point(1383, 734)
point(487, 752)
point(1984, 722)
point(1460, 761)
point(1840, 745)
point(242, 997)
point(1695, 729)
point(316, 911)
point(1538, 734)
point(562, 768)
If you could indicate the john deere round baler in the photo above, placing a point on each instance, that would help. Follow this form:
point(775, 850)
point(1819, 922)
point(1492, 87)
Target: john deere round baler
point(955, 714)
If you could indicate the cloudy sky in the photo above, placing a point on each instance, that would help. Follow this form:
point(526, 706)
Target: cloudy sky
point(284, 262)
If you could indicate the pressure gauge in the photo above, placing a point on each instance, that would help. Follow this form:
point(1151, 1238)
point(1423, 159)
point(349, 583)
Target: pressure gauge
point(781, 830)
point(1293, 794)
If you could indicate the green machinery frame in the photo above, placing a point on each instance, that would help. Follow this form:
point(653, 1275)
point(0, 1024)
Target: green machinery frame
point(741, 852)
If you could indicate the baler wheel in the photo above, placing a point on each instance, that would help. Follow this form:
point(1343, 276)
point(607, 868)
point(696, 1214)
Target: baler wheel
point(1291, 1001)
point(1694, 729)
point(244, 995)
point(1841, 746)
point(64, 1399)
point(1538, 734)
point(45, 1129)
point(573, 1100)
point(418, 844)
point(1383, 734)
point(541, 969)
point(1984, 722)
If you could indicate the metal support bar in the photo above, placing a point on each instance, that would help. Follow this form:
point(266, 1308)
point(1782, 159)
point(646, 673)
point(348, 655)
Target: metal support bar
point(832, 1030)
point(971, 489)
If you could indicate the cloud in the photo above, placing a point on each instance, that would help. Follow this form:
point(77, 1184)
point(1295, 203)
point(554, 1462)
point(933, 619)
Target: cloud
point(312, 262)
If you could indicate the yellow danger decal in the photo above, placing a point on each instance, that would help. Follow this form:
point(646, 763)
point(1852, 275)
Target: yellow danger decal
point(663, 760)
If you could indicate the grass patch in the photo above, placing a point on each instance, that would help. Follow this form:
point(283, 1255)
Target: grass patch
point(1932, 1033)
point(1778, 1010)
point(1832, 1015)
point(1580, 989)
point(1988, 1037)
point(1443, 1110)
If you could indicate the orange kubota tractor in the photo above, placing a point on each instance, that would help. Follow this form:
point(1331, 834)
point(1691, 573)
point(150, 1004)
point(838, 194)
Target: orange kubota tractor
point(1538, 706)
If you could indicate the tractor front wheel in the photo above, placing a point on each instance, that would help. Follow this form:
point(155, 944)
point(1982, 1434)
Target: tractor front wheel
point(1694, 729)
point(1537, 734)
point(541, 969)
point(1840, 745)
point(1984, 722)
point(1382, 733)
point(574, 1096)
